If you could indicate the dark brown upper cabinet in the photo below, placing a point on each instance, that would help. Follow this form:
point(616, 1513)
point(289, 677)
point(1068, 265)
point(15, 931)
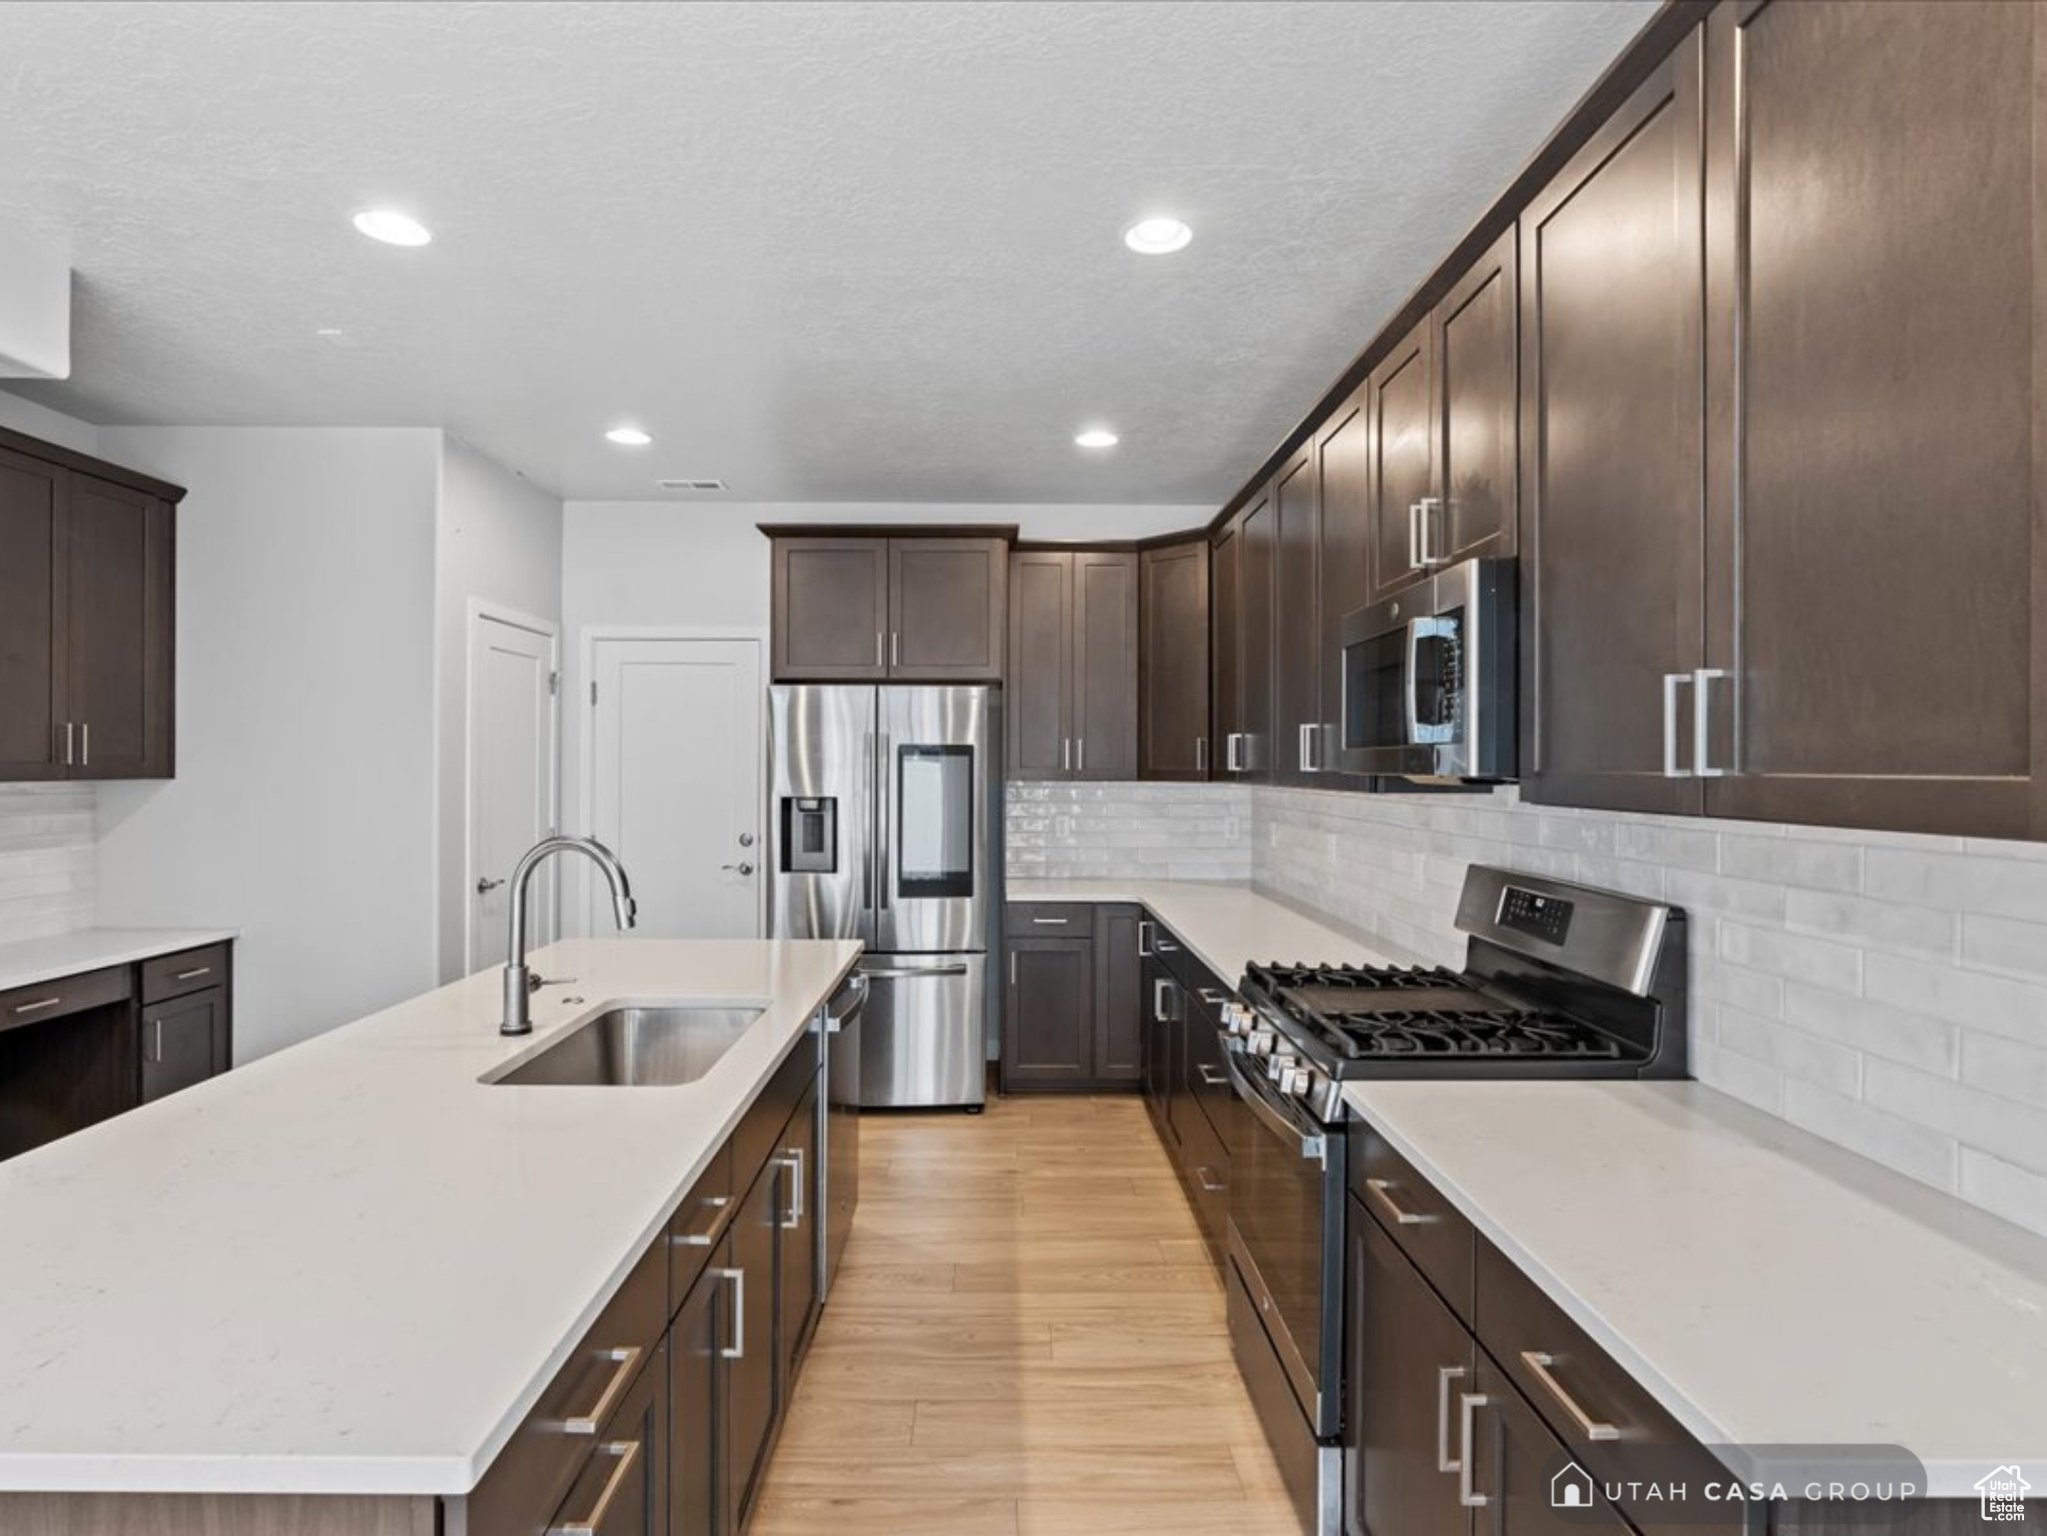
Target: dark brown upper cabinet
point(1248, 748)
point(1441, 418)
point(1173, 661)
point(1403, 459)
point(877, 608)
point(1343, 504)
point(1612, 280)
point(87, 617)
point(1876, 654)
point(1225, 650)
point(1297, 660)
point(33, 595)
point(1072, 683)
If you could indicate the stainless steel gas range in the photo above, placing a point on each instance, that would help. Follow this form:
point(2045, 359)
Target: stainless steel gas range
point(1559, 981)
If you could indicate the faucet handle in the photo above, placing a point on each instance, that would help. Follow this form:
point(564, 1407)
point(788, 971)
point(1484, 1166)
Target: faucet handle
point(535, 983)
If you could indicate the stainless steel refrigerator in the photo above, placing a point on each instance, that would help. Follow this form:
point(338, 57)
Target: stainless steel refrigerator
point(884, 809)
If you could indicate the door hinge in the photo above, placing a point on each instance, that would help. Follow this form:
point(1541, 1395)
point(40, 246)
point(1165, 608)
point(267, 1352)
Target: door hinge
point(554, 683)
point(593, 693)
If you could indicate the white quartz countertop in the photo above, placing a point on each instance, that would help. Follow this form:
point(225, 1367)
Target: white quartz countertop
point(1767, 1287)
point(1227, 926)
point(25, 962)
point(351, 1267)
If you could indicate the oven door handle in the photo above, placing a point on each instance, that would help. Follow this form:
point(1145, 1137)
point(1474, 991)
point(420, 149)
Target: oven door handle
point(1312, 1148)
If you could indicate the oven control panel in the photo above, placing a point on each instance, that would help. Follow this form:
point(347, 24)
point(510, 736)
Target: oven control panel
point(1545, 917)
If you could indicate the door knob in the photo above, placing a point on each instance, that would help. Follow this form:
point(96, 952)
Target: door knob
point(743, 868)
point(746, 839)
point(486, 885)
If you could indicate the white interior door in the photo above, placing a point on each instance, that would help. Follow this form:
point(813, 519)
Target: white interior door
point(512, 754)
point(676, 782)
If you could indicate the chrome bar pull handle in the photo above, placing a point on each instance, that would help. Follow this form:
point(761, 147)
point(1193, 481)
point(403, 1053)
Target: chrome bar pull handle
point(719, 1205)
point(1702, 713)
point(1380, 1191)
point(736, 1350)
point(1542, 1367)
point(1446, 1374)
point(1066, 754)
point(895, 649)
point(1201, 754)
point(1414, 536)
point(67, 743)
point(1468, 1405)
point(1144, 939)
point(1080, 754)
point(206, 970)
point(792, 1160)
point(627, 1360)
point(1672, 681)
point(592, 1524)
point(85, 745)
point(37, 1006)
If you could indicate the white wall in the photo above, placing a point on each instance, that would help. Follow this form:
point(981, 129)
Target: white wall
point(21, 415)
point(303, 809)
point(686, 564)
point(499, 541)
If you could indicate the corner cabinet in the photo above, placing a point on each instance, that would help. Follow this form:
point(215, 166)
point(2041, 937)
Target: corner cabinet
point(915, 606)
point(1072, 997)
point(87, 617)
point(1173, 661)
point(1072, 693)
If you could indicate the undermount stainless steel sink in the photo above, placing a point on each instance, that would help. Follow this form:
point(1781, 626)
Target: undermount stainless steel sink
point(636, 1048)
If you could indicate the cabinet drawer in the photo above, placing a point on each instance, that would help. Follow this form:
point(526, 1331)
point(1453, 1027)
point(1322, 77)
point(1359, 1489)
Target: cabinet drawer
point(1428, 1228)
point(535, 1471)
point(761, 1131)
point(67, 994)
point(189, 970)
point(1187, 970)
point(1207, 1080)
point(1048, 919)
point(699, 1224)
point(622, 1489)
point(1205, 1165)
point(1607, 1419)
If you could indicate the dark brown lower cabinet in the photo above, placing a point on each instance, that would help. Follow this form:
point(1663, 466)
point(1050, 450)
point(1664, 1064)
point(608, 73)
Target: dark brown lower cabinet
point(1514, 1460)
point(697, 1339)
point(796, 1275)
point(623, 1490)
point(1409, 1361)
point(184, 1041)
point(750, 1398)
point(1119, 994)
point(1048, 1017)
point(1072, 994)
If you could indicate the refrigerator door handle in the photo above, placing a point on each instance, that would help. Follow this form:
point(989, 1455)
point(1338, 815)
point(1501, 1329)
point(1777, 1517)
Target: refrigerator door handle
point(867, 843)
point(885, 816)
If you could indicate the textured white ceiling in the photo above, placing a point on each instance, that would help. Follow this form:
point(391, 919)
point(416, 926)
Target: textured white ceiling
point(854, 252)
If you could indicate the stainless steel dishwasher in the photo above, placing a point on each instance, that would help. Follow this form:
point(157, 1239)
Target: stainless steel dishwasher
point(838, 1126)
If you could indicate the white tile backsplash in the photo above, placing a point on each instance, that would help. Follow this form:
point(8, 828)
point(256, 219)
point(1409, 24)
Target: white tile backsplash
point(1884, 991)
point(46, 859)
point(1059, 831)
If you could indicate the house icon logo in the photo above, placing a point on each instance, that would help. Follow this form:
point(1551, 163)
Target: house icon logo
point(1571, 1488)
point(2004, 1494)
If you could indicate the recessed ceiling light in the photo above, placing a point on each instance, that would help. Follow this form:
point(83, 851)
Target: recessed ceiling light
point(1096, 437)
point(392, 227)
point(1157, 237)
point(628, 437)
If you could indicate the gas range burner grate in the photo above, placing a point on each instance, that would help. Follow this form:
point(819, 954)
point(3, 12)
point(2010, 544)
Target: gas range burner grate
point(1377, 978)
point(1502, 1032)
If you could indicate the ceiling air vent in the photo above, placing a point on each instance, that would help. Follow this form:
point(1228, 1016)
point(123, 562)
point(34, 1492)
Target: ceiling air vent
point(691, 485)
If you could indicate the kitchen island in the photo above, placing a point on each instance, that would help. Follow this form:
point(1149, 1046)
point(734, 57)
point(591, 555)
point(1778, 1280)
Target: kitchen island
point(334, 1283)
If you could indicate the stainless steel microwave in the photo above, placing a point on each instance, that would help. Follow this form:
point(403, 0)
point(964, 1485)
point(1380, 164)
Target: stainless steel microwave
point(1429, 679)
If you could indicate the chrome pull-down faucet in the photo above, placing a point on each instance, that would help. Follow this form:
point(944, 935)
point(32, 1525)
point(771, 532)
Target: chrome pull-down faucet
point(519, 980)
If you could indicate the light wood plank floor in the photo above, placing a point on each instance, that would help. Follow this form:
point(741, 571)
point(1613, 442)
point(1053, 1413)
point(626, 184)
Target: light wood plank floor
point(1025, 1340)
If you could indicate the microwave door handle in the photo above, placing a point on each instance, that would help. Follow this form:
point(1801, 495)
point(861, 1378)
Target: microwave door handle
point(1411, 675)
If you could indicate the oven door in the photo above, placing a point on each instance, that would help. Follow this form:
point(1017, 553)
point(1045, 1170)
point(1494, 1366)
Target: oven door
point(1286, 1236)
